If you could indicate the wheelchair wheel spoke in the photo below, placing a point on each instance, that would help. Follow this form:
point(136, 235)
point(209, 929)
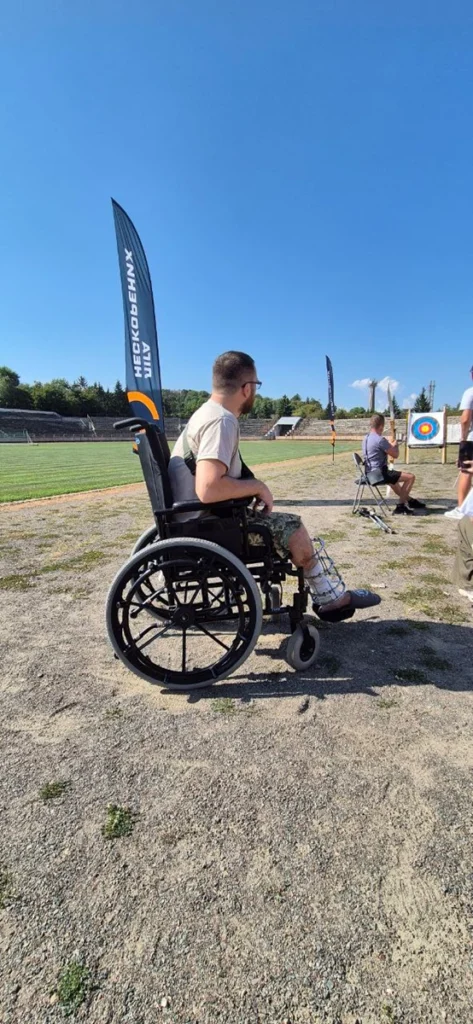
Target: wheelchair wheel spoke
point(156, 636)
point(211, 636)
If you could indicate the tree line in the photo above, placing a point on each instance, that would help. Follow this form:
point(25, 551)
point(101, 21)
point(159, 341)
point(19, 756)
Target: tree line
point(83, 399)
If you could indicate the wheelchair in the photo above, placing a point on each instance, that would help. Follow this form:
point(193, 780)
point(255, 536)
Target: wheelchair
point(187, 608)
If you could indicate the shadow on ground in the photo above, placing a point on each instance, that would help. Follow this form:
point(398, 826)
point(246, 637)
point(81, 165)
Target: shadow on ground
point(375, 655)
point(436, 507)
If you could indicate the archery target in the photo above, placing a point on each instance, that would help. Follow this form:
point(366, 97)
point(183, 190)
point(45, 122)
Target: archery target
point(426, 428)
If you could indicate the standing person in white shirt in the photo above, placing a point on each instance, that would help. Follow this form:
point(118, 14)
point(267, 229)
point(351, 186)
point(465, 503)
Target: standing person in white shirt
point(465, 452)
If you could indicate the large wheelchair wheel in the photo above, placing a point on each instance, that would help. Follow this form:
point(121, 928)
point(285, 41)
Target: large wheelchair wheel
point(200, 619)
point(148, 537)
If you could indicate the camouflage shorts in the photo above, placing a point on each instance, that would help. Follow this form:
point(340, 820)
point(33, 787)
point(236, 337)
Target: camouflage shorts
point(281, 526)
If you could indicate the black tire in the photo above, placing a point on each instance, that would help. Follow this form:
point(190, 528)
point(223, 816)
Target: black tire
point(194, 588)
point(150, 536)
point(303, 646)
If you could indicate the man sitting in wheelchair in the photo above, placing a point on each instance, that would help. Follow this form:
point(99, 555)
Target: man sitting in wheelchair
point(206, 464)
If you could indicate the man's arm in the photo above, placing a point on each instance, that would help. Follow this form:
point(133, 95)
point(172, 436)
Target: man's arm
point(393, 450)
point(213, 484)
point(465, 423)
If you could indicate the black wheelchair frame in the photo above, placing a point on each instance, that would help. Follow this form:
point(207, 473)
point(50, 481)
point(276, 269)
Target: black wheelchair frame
point(198, 583)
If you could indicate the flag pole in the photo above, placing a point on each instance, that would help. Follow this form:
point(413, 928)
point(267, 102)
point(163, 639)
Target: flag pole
point(392, 420)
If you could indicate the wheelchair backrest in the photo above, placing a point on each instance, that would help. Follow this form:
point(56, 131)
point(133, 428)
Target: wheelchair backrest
point(154, 454)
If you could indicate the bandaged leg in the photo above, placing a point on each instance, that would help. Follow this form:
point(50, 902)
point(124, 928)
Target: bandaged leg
point(323, 579)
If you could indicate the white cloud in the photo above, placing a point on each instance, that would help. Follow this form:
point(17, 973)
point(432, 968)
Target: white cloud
point(409, 402)
point(362, 384)
point(388, 382)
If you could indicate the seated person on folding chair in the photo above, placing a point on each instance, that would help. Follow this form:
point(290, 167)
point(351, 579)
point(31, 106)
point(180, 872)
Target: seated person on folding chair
point(376, 449)
point(206, 464)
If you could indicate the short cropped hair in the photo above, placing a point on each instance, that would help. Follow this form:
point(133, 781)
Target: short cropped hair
point(377, 421)
point(231, 370)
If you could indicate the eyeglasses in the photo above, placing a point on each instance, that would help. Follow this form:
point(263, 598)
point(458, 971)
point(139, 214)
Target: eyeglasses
point(258, 384)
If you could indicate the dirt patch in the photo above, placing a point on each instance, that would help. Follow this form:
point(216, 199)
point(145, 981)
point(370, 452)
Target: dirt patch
point(301, 843)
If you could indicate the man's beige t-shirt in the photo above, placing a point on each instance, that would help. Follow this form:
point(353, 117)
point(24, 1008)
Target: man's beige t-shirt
point(212, 433)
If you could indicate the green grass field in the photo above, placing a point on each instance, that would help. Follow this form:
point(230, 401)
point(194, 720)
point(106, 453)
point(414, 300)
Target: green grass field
point(39, 471)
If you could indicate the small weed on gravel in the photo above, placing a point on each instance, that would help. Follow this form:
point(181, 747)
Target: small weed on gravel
point(6, 885)
point(421, 626)
point(223, 706)
point(115, 712)
point(119, 823)
point(16, 582)
point(73, 986)
point(452, 616)
point(74, 592)
point(432, 603)
point(82, 563)
point(436, 545)
point(433, 579)
point(411, 675)
point(331, 536)
point(51, 790)
point(387, 702)
point(389, 1014)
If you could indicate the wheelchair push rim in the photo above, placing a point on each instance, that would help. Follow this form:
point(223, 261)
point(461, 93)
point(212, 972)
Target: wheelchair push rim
point(199, 622)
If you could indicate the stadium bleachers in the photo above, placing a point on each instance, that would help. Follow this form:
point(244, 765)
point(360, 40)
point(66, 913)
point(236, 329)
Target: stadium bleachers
point(101, 428)
point(50, 426)
point(355, 428)
point(255, 428)
point(43, 426)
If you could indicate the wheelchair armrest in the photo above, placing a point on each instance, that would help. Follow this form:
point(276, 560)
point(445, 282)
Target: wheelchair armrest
point(187, 506)
point(198, 506)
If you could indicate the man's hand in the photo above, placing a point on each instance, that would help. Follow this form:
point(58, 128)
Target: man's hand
point(264, 498)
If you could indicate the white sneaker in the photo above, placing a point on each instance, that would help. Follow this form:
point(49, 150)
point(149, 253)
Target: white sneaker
point(455, 513)
point(468, 594)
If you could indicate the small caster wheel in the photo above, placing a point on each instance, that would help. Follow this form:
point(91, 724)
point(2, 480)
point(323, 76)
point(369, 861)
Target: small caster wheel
point(303, 646)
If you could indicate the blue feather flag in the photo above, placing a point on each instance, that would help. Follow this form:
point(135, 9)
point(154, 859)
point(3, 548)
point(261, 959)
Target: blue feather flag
point(143, 375)
point(331, 405)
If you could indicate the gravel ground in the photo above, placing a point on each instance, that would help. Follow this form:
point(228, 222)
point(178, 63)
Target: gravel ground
point(301, 842)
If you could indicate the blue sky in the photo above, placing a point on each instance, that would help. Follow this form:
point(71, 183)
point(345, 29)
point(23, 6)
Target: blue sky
point(299, 173)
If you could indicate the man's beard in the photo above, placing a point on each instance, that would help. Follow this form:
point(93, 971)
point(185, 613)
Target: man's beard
point(247, 405)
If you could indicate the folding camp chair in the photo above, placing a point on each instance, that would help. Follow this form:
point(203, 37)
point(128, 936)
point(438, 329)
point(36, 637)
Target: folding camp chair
point(372, 480)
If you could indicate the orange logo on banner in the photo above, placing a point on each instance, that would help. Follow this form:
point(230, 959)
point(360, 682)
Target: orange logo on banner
point(138, 396)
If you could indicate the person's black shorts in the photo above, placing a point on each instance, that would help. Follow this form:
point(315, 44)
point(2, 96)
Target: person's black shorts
point(390, 476)
point(466, 453)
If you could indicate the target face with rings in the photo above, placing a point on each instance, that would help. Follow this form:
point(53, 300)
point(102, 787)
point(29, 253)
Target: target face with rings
point(425, 428)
